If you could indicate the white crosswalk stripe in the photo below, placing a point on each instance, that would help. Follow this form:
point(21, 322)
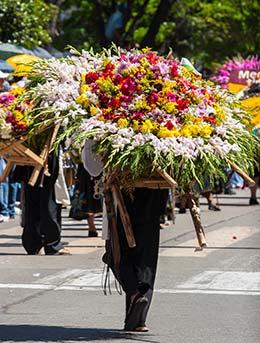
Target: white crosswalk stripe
point(208, 282)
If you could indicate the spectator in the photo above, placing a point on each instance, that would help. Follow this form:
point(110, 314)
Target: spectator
point(8, 194)
point(115, 24)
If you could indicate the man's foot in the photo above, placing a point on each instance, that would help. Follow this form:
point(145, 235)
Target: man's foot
point(59, 252)
point(229, 191)
point(182, 210)
point(141, 329)
point(214, 207)
point(92, 233)
point(136, 308)
point(3, 218)
point(253, 201)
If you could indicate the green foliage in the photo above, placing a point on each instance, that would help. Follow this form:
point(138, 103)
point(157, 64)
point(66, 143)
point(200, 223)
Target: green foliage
point(208, 31)
point(24, 22)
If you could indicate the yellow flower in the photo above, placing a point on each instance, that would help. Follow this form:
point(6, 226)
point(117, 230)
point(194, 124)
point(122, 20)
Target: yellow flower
point(147, 126)
point(122, 123)
point(220, 114)
point(142, 105)
point(132, 69)
point(135, 125)
point(166, 133)
point(83, 76)
point(145, 63)
point(206, 131)
point(168, 86)
point(186, 131)
point(82, 100)
point(170, 107)
point(18, 115)
point(101, 118)
point(107, 86)
point(93, 110)
point(16, 90)
point(84, 89)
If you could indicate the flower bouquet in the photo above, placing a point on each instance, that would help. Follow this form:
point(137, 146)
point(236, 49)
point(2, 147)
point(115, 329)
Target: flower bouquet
point(147, 114)
point(13, 117)
point(14, 130)
point(242, 76)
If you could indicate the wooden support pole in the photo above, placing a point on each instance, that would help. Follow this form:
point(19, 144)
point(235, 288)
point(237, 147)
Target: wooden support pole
point(194, 211)
point(172, 183)
point(250, 182)
point(44, 156)
point(112, 225)
point(124, 215)
point(173, 203)
point(7, 171)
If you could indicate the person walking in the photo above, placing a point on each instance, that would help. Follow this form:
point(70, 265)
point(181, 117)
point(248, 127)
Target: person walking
point(42, 214)
point(138, 265)
point(8, 195)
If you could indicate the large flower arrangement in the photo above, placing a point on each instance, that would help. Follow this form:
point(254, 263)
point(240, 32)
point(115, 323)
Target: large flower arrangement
point(144, 112)
point(248, 95)
point(13, 119)
point(238, 63)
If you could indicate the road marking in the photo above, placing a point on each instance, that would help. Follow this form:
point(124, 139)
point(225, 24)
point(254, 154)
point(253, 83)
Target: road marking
point(224, 281)
point(73, 277)
point(220, 238)
point(208, 282)
point(99, 289)
point(60, 277)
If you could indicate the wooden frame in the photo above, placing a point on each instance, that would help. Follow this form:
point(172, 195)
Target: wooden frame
point(16, 153)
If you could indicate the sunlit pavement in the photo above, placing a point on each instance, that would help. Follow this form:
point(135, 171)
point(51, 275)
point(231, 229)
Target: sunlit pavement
point(211, 295)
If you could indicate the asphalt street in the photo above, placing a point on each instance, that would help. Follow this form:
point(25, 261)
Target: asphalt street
point(210, 295)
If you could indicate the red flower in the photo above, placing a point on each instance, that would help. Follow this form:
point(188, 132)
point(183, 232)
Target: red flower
point(137, 115)
point(182, 104)
point(114, 103)
point(174, 71)
point(210, 120)
point(169, 125)
point(151, 57)
point(126, 98)
point(153, 98)
point(91, 77)
point(128, 86)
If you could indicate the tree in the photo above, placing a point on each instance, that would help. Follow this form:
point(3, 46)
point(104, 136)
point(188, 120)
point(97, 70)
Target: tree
point(25, 22)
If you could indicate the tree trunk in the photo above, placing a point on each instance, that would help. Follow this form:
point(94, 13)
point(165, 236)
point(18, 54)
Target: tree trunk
point(160, 15)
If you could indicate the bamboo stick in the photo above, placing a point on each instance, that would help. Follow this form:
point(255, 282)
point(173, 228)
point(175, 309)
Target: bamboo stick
point(194, 211)
point(167, 178)
point(7, 171)
point(44, 156)
point(124, 215)
point(244, 175)
point(112, 225)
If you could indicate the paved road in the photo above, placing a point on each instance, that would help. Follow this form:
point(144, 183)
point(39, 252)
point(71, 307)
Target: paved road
point(201, 296)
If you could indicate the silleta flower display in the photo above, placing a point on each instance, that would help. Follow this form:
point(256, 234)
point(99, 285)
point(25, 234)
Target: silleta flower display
point(144, 112)
point(13, 120)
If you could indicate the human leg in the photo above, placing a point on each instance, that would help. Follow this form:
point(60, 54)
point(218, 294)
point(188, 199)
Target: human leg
point(138, 265)
point(12, 195)
point(4, 213)
point(92, 232)
point(253, 198)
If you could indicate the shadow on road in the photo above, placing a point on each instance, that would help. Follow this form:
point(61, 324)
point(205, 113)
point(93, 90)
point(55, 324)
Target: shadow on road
point(39, 333)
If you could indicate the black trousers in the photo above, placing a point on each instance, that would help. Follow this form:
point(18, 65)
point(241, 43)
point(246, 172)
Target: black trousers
point(138, 265)
point(42, 217)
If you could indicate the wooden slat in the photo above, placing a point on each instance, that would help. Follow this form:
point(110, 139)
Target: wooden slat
point(124, 215)
point(7, 171)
